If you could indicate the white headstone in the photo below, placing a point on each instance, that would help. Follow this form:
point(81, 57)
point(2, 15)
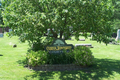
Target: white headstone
point(118, 35)
point(1, 34)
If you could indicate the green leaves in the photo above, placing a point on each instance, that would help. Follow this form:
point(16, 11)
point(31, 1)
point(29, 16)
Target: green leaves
point(65, 11)
point(34, 17)
point(36, 58)
point(83, 56)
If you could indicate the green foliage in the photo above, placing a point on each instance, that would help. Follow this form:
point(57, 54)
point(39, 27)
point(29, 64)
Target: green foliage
point(83, 56)
point(64, 58)
point(80, 56)
point(36, 58)
point(30, 19)
point(39, 45)
point(116, 16)
point(41, 57)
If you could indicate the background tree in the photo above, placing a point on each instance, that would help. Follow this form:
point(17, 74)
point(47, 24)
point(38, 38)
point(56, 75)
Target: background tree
point(30, 19)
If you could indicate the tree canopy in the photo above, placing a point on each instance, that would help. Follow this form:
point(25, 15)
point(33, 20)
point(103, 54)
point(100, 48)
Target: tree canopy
point(116, 15)
point(30, 19)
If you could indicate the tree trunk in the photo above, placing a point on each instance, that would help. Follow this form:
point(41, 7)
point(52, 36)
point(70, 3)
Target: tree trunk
point(54, 34)
point(61, 33)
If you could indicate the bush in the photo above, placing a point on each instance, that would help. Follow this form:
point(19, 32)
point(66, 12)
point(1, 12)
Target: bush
point(63, 58)
point(83, 56)
point(36, 58)
point(37, 46)
point(41, 57)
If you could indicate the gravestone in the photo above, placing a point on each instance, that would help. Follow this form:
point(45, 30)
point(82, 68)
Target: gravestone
point(81, 39)
point(118, 35)
point(1, 35)
point(87, 45)
point(1, 32)
point(58, 46)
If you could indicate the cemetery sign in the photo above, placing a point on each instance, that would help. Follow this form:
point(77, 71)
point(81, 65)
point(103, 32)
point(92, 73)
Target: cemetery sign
point(58, 46)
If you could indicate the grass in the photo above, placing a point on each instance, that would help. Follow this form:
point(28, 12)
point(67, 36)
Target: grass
point(106, 67)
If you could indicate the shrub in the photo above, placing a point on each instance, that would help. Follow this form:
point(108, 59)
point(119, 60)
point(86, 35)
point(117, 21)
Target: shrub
point(36, 58)
point(63, 58)
point(83, 56)
point(37, 46)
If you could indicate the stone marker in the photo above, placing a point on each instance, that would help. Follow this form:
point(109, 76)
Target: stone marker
point(118, 35)
point(1, 35)
point(1, 32)
point(81, 39)
point(87, 45)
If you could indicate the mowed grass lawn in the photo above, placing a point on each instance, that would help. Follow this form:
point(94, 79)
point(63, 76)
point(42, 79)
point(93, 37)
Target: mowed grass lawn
point(106, 67)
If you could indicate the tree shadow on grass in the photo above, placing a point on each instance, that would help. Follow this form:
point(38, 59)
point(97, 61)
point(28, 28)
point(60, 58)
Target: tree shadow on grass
point(103, 68)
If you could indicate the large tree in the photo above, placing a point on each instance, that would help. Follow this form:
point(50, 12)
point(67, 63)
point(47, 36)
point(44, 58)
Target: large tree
point(30, 19)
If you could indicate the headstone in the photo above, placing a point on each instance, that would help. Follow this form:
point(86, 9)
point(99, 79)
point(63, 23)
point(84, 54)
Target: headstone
point(1, 34)
point(81, 39)
point(118, 35)
point(58, 46)
point(87, 45)
point(91, 35)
